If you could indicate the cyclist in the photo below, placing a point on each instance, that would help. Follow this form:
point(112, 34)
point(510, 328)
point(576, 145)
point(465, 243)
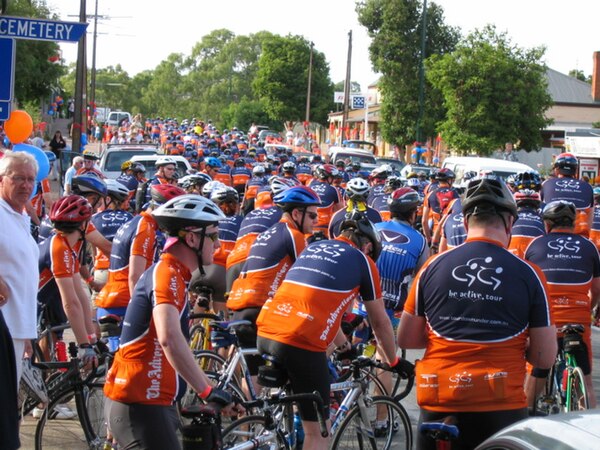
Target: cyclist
point(436, 203)
point(452, 228)
point(378, 177)
point(566, 187)
point(258, 181)
point(302, 320)
point(480, 312)
point(132, 174)
point(381, 202)
point(595, 229)
point(89, 164)
point(193, 183)
point(270, 257)
point(331, 200)
point(135, 247)
point(529, 224)
point(240, 175)
point(572, 267)
point(357, 192)
point(165, 174)
point(144, 382)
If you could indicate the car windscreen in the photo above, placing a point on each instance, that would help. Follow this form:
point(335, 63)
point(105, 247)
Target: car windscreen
point(356, 158)
point(180, 171)
point(115, 159)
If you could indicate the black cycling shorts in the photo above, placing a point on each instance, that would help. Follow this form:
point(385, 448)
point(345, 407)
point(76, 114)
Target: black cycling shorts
point(581, 357)
point(231, 275)
point(247, 336)
point(474, 427)
point(147, 427)
point(308, 372)
point(215, 279)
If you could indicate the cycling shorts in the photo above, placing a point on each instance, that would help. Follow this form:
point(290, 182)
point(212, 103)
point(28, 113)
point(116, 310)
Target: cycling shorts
point(308, 372)
point(231, 275)
point(137, 426)
point(247, 337)
point(474, 427)
point(582, 358)
point(215, 278)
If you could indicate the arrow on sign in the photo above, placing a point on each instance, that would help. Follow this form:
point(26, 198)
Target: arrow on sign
point(41, 29)
point(4, 110)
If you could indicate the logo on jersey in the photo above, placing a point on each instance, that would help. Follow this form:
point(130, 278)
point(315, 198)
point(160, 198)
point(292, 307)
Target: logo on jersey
point(565, 245)
point(568, 183)
point(478, 269)
point(393, 237)
point(333, 250)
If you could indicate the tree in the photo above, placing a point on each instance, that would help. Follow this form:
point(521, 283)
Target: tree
point(576, 73)
point(354, 87)
point(494, 91)
point(282, 79)
point(395, 27)
point(164, 93)
point(35, 75)
point(244, 113)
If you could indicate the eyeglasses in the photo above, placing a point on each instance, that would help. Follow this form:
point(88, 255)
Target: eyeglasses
point(20, 179)
point(213, 236)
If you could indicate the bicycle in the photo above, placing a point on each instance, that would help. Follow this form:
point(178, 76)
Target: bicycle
point(442, 432)
point(565, 388)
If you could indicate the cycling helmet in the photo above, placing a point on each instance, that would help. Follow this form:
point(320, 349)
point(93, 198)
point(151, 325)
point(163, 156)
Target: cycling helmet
point(288, 166)
point(357, 189)
point(469, 175)
point(258, 171)
point(510, 180)
point(162, 193)
point(90, 155)
point(392, 183)
point(383, 171)
point(194, 179)
point(72, 209)
point(88, 184)
point(421, 174)
point(527, 180)
point(412, 175)
point(211, 161)
point(224, 194)
point(340, 163)
point(315, 159)
point(597, 191)
point(403, 200)
point(239, 162)
point(413, 183)
point(560, 212)
point(116, 190)
point(296, 197)
point(126, 165)
point(488, 195)
point(444, 174)
point(566, 164)
point(209, 187)
point(324, 171)
point(280, 184)
point(363, 226)
point(165, 161)
point(356, 166)
point(527, 197)
point(187, 212)
point(138, 168)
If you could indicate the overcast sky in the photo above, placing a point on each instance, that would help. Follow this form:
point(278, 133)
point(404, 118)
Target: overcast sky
point(139, 34)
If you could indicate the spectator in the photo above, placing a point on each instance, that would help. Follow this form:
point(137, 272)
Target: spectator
point(70, 173)
point(57, 144)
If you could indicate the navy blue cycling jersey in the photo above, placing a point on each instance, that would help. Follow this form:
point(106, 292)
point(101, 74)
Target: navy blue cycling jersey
point(241, 171)
point(380, 203)
point(259, 220)
point(129, 181)
point(340, 215)
point(596, 219)
point(108, 222)
point(328, 194)
point(303, 169)
point(454, 229)
point(376, 191)
point(402, 247)
point(529, 223)
point(570, 189)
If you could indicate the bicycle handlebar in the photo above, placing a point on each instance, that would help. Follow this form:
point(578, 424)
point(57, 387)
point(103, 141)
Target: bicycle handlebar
point(204, 316)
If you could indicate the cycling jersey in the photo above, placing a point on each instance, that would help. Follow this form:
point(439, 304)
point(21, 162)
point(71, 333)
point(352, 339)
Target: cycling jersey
point(254, 223)
point(454, 229)
point(576, 191)
point(330, 197)
point(138, 237)
point(141, 372)
point(376, 191)
point(402, 247)
point(478, 300)
point(240, 176)
point(527, 227)
point(37, 201)
point(323, 283)
point(223, 175)
point(595, 230)
point(340, 215)
point(435, 202)
point(380, 204)
point(108, 222)
point(303, 173)
point(271, 255)
point(228, 232)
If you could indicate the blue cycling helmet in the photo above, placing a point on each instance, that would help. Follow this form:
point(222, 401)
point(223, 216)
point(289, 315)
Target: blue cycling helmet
point(296, 197)
point(211, 161)
point(88, 184)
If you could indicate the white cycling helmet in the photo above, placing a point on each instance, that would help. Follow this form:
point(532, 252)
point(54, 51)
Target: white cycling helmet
point(357, 189)
point(116, 190)
point(209, 187)
point(187, 212)
point(258, 170)
point(165, 161)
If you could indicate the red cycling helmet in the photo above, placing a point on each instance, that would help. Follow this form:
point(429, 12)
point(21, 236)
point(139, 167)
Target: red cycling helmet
point(162, 193)
point(527, 196)
point(72, 209)
point(403, 200)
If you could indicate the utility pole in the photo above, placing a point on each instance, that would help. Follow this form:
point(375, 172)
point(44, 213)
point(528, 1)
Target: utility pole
point(310, 63)
point(93, 76)
point(80, 115)
point(422, 72)
point(346, 87)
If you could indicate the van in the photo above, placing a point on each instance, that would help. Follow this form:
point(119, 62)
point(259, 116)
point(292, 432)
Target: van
point(461, 164)
point(115, 118)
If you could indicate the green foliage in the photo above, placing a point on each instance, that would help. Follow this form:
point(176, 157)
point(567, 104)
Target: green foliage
point(575, 73)
point(494, 92)
point(35, 76)
point(354, 87)
point(244, 113)
point(282, 79)
point(395, 27)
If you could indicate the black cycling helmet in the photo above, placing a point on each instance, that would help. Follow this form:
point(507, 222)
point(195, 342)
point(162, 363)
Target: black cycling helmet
point(403, 200)
point(488, 195)
point(88, 184)
point(224, 194)
point(444, 174)
point(566, 164)
point(187, 212)
point(527, 180)
point(363, 227)
point(560, 212)
point(392, 183)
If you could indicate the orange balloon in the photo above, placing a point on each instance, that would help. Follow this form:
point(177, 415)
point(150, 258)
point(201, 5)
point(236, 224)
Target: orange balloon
point(18, 127)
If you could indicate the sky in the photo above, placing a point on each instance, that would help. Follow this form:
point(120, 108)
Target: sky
point(139, 35)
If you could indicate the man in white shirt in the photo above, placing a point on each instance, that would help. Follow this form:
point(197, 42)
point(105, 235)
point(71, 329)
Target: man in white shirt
point(70, 173)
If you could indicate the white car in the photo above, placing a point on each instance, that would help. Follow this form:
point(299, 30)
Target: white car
point(115, 155)
point(149, 160)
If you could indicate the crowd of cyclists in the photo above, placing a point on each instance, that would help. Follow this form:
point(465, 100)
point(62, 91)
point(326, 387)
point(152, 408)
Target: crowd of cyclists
point(297, 246)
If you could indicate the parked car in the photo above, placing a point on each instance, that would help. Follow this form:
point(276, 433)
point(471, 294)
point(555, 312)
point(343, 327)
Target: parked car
point(500, 167)
point(274, 149)
point(415, 168)
point(570, 431)
point(148, 160)
point(262, 136)
point(115, 155)
point(350, 156)
point(396, 164)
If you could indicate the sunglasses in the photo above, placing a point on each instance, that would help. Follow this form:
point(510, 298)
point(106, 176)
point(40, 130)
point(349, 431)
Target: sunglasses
point(212, 236)
point(312, 215)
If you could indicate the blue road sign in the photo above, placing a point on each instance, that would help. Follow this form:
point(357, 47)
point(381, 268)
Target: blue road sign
point(7, 69)
point(358, 101)
point(4, 110)
point(41, 29)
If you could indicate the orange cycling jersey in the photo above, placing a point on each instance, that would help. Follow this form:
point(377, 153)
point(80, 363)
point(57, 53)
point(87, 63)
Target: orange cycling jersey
point(37, 201)
point(141, 373)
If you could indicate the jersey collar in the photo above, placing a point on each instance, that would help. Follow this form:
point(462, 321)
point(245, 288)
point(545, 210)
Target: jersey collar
point(485, 239)
point(177, 265)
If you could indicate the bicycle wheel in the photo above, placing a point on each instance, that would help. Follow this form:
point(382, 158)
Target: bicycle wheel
point(209, 361)
point(197, 337)
point(253, 427)
point(76, 433)
point(94, 404)
point(550, 400)
point(385, 421)
point(577, 399)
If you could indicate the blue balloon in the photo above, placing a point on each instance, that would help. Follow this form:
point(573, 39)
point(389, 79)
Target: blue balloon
point(84, 139)
point(50, 112)
point(40, 157)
